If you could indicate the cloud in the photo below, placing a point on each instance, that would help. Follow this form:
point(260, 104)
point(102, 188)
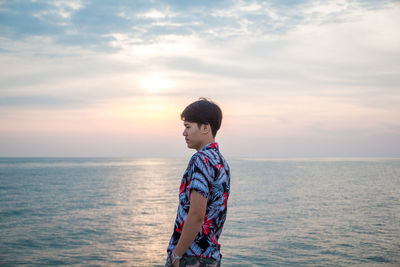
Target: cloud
point(91, 23)
point(329, 44)
point(313, 53)
point(298, 69)
point(58, 10)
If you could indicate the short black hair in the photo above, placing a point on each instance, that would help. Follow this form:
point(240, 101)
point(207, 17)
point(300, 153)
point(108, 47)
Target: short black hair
point(204, 111)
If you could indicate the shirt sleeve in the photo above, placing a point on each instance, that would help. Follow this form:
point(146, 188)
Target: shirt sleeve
point(202, 174)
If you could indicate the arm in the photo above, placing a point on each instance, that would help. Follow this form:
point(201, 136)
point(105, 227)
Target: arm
point(193, 222)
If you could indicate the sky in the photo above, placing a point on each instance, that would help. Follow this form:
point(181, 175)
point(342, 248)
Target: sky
point(110, 78)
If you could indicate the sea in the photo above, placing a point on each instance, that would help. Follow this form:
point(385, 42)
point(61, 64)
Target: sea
point(120, 211)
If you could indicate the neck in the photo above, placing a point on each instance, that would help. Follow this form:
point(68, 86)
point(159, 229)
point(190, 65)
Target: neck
point(206, 141)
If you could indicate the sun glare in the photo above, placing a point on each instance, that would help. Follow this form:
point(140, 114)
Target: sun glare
point(156, 84)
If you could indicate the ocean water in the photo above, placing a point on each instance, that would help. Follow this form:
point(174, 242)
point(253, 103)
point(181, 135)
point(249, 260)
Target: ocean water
point(120, 212)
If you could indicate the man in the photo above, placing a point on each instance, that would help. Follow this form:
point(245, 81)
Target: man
point(203, 193)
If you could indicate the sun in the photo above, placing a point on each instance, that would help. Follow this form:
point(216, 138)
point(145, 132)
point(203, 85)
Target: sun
point(156, 83)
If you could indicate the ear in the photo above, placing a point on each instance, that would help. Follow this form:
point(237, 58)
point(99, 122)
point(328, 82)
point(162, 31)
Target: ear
point(206, 128)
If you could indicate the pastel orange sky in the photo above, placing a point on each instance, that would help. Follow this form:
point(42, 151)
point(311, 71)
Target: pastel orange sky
point(311, 79)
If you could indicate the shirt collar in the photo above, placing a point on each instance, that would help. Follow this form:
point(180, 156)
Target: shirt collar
point(210, 146)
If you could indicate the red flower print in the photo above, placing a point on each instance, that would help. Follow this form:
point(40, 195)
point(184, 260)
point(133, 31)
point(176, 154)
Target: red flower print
point(214, 145)
point(179, 229)
point(182, 188)
point(206, 160)
point(219, 166)
point(226, 199)
point(214, 240)
point(205, 228)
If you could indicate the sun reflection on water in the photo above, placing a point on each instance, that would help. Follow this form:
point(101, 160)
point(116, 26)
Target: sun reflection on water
point(149, 211)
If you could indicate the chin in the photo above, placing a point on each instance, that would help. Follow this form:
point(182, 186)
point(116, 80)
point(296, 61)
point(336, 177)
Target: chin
point(190, 146)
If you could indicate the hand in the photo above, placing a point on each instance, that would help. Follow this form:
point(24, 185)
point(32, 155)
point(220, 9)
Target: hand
point(176, 263)
point(175, 260)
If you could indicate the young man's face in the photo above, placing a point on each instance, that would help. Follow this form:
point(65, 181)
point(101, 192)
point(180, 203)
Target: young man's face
point(194, 136)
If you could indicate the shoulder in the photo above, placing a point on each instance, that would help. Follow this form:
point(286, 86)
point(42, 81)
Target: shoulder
point(201, 159)
point(203, 164)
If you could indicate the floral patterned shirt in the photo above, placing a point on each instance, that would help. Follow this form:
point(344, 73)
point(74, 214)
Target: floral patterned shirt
point(208, 173)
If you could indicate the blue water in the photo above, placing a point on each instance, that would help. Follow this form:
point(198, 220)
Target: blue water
point(120, 212)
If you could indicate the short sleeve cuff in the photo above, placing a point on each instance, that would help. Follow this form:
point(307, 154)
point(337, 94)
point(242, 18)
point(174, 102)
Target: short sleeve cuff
point(200, 187)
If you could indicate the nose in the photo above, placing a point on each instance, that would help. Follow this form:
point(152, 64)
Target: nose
point(184, 133)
